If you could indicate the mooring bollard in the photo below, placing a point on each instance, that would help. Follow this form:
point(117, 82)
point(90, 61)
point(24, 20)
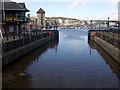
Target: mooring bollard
point(95, 33)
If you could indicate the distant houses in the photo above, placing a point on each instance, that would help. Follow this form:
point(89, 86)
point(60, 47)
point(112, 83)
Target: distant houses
point(13, 18)
point(62, 21)
point(69, 23)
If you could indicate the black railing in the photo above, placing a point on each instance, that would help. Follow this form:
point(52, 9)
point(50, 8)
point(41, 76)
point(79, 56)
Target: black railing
point(11, 45)
point(113, 30)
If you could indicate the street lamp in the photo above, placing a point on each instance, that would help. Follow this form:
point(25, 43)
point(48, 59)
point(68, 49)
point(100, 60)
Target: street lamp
point(56, 25)
point(108, 22)
point(99, 24)
point(47, 24)
point(91, 24)
point(118, 24)
point(36, 23)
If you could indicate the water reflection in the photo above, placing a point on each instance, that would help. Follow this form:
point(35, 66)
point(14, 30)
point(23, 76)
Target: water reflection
point(115, 66)
point(18, 71)
point(69, 64)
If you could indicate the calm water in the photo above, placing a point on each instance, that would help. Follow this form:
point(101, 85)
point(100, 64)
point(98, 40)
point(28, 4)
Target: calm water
point(70, 62)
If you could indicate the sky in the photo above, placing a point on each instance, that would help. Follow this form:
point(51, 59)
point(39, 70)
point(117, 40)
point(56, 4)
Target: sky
point(80, 9)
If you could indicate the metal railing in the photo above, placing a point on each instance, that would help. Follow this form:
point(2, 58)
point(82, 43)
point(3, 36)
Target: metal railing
point(24, 40)
point(113, 30)
point(20, 34)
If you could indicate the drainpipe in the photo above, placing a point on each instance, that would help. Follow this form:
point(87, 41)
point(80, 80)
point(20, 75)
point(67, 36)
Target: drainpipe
point(3, 11)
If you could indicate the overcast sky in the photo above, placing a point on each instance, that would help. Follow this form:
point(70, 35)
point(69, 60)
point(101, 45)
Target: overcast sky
point(80, 9)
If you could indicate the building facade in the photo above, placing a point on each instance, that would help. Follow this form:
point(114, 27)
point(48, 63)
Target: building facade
point(41, 19)
point(13, 18)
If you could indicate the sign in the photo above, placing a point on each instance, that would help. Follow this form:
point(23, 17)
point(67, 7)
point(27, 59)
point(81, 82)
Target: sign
point(11, 19)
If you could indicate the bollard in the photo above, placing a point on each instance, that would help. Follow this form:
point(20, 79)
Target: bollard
point(94, 33)
point(49, 33)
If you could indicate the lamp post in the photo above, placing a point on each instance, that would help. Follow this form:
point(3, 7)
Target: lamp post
point(3, 11)
point(36, 26)
point(108, 22)
point(99, 24)
point(36, 23)
point(55, 25)
point(47, 24)
point(91, 24)
point(118, 24)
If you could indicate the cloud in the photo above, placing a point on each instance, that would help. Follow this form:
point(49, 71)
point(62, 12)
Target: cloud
point(76, 4)
point(114, 3)
point(113, 0)
point(112, 14)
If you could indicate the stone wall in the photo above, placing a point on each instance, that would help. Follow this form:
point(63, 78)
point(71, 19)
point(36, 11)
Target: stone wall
point(109, 41)
point(112, 50)
point(16, 49)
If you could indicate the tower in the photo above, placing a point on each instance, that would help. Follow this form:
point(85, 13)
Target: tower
point(41, 19)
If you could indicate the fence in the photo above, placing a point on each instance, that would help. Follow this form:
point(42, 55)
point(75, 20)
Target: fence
point(22, 34)
point(113, 30)
point(8, 46)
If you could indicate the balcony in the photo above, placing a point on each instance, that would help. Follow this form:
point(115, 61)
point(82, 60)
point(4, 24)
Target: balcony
point(15, 18)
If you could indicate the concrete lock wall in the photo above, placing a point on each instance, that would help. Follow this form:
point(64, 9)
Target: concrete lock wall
point(110, 43)
point(112, 50)
point(13, 55)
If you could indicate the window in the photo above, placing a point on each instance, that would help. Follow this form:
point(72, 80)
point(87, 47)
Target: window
point(11, 29)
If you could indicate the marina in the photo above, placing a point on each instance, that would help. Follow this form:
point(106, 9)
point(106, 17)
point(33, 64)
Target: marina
point(69, 62)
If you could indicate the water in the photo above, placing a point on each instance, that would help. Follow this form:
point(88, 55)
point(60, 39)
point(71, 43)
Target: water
point(70, 62)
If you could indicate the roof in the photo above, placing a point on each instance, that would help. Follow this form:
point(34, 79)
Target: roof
point(40, 10)
point(23, 5)
point(14, 6)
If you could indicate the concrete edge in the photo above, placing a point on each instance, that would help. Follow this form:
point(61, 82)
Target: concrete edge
point(19, 52)
point(113, 51)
